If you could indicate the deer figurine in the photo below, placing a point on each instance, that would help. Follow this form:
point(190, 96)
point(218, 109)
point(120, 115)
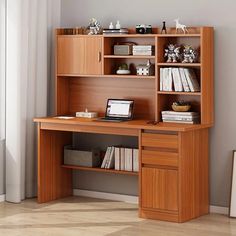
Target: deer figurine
point(180, 26)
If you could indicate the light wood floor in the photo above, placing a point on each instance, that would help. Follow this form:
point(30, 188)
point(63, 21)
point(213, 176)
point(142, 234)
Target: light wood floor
point(85, 216)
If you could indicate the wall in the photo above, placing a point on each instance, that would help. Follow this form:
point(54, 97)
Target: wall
point(221, 15)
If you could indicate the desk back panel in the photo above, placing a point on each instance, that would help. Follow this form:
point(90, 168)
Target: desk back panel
point(92, 93)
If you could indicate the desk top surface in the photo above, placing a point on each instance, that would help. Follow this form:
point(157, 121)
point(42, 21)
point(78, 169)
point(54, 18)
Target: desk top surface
point(133, 124)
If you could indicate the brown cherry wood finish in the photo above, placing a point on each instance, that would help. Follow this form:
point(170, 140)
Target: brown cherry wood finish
point(173, 158)
point(54, 182)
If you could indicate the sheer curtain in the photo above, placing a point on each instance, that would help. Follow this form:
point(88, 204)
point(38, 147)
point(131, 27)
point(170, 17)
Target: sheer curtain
point(2, 94)
point(29, 32)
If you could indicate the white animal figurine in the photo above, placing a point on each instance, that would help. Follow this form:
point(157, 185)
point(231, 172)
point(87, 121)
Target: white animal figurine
point(180, 26)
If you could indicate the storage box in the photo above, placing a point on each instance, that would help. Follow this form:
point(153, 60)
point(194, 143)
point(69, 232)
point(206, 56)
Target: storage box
point(145, 70)
point(140, 50)
point(81, 158)
point(123, 49)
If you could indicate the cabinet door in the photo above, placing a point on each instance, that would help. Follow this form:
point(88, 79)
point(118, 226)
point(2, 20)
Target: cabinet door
point(79, 55)
point(159, 189)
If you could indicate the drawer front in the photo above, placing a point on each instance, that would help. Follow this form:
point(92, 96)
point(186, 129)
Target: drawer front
point(150, 157)
point(160, 140)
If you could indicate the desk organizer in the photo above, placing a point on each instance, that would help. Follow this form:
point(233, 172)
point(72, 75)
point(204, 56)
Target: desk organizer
point(81, 158)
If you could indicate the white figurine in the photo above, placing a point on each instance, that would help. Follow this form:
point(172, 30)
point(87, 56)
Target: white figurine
point(180, 26)
point(111, 26)
point(118, 25)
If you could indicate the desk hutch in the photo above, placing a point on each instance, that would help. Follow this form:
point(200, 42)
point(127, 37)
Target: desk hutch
point(173, 158)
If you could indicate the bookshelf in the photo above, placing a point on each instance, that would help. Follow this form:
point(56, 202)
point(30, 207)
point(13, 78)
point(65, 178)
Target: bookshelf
point(173, 158)
point(100, 62)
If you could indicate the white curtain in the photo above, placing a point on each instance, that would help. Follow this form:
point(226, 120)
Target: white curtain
point(29, 30)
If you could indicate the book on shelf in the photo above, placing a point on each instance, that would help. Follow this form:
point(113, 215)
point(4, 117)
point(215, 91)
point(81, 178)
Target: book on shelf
point(106, 157)
point(182, 122)
point(182, 113)
point(180, 117)
point(126, 159)
point(192, 80)
point(178, 80)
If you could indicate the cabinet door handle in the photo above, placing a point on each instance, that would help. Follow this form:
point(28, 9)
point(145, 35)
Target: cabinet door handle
point(99, 56)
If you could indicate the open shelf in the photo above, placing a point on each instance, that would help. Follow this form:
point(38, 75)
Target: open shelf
point(129, 76)
point(179, 64)
point(180, 93)
point(97, 169)
point(178, 35)
point(129, 56)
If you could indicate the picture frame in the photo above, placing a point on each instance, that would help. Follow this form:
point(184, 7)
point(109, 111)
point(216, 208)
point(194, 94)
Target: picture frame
point(232, 207)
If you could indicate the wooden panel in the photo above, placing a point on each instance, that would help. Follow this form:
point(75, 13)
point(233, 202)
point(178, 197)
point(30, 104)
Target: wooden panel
point(92, 93)
point(90, 129)
point(97, 169)
point(193, 174)
point(54, 182)
point(62, 96)
point(207, 73)
point(160, 189)
point(159, 158)
point(79, 55)
point(160, 140)
point(158, 215)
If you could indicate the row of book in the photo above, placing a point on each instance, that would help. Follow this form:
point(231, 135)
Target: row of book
point(179, 80)
point(120, 158)
point(180, 117)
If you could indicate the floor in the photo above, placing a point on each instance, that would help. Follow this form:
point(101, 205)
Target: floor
point(86, 216)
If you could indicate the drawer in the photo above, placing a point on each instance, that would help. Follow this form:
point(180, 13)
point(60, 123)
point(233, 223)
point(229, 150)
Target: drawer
point(150, 157)
point(160, 140)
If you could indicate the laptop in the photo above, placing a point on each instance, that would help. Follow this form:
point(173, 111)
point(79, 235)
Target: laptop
point(118, 110)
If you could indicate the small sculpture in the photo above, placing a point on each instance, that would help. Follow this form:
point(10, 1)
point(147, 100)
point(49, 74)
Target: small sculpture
point(189, 54)
point(172, 53)
point(180, 26)
point(163, 27)
point(111, 26)
point(118, 26)
point(94, 27)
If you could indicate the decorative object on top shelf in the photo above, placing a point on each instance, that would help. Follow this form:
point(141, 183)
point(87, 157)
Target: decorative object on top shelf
point(189, 54)
point(172, 52)
point(118, 26)
point(163, 30)
point(143, 29)
point(123, 69)
point(179, 26)
point(145, 69)
point(94, 27)
point(181, 106)
point(111, 26)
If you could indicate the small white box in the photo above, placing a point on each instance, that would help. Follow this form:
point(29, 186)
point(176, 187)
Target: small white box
point(83, 114)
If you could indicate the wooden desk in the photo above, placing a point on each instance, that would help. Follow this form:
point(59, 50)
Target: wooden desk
point(173, 174)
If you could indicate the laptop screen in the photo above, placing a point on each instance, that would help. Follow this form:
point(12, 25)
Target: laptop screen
point(120, 108)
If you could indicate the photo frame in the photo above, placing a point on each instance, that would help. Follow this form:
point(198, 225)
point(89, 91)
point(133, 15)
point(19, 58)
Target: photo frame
point(232, 208)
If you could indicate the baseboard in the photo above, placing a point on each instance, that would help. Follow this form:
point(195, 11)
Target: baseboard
point(107, 196)
point(219, 210)
point(2, 198)
point(132, 199)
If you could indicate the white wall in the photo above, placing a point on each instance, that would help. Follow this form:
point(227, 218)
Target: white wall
point(221, 15)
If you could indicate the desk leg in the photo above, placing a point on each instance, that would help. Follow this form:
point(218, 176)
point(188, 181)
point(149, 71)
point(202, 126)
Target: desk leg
point(54, 182)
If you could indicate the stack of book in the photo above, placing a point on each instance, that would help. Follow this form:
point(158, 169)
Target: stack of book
point(179, 80)
point(140, 50)
point(120, 158)
point(180, 117)
point(116, 31)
